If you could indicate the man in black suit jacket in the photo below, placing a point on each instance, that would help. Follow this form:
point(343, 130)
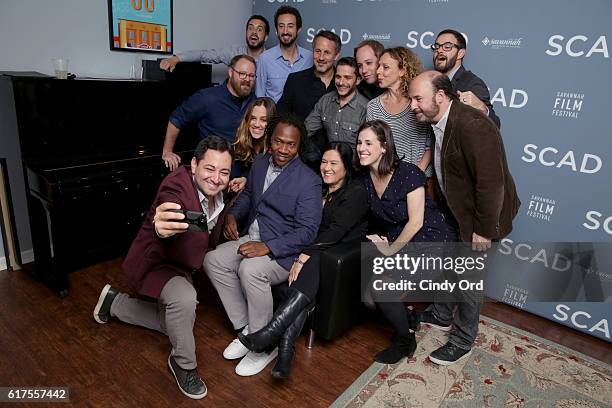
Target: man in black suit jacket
point(448, 53)
point(303, 89)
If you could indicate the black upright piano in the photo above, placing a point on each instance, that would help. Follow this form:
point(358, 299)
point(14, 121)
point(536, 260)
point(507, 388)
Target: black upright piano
point(91, 157)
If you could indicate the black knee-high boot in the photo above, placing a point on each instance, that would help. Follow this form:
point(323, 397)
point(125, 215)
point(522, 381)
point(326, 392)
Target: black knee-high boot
point(284, 315)
point(286, 347)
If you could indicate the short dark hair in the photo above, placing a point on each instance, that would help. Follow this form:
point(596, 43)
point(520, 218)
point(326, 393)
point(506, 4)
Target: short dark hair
point(349, 61)
point(214, 143)
point(331, 36)
point(262, 18)
point(288, 119)
point(238, 57)
point(458, 36)
point(390, 160)
point(442, 83)
point(346, 152)
point(377, 47)
point(288, 10)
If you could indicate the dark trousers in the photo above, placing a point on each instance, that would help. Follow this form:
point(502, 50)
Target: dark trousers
point(463, 312)
point(308, 279)
point(464, 319)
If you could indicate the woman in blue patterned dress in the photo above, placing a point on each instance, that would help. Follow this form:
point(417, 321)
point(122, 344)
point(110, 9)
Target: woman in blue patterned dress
point(402, 212)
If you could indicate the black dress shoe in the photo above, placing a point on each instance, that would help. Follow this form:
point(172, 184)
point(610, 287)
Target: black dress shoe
point(286, 347)
point(400, 347)
point(269, 336)
point(102, 310)
point(430, 318)
point(188, 381)
point(449, 354)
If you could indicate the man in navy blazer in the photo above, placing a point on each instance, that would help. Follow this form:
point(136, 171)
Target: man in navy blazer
point(281, 204)
point(448, 54)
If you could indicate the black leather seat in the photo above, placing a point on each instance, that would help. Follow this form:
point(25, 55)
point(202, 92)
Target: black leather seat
point(338, 306)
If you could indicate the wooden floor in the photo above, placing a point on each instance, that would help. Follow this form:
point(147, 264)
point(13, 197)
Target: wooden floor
point(48, 341)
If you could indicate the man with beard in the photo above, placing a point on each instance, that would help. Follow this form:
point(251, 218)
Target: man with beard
point(275, 64)
point(476, 193)
point(448, 53)
point(257, 31)
point(339, 113)
point(281, 207)
point(367, 54)
point(303, 89)
point(218, 110)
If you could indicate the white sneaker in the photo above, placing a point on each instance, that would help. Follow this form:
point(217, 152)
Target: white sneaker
point(253, 362)
point(236, 349)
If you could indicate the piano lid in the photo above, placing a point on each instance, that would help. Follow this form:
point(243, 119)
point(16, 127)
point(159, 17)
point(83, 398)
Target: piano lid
point(65, 123)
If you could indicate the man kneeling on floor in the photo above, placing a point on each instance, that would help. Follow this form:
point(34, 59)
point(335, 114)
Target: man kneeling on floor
point(164, 255)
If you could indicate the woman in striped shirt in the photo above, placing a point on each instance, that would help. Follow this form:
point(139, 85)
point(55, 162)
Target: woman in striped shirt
point(397, 67)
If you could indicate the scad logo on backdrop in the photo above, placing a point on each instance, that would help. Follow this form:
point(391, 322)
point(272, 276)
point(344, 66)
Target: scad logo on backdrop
point(567, 104)
point(535, 254)
point(577, 46)
point(425, 39)
point(541, 208)
point(516, 99)
point(328, 1)
point(551, 157)
point(497, 44)
point(377, 37)
point(596, 221)
point(582, 320)
point(344, 34)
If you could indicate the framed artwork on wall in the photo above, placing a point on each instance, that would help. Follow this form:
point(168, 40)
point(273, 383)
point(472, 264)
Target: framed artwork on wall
point(140, 25)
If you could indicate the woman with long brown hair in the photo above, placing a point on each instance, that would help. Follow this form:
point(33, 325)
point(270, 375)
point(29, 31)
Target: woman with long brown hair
point(403, 214)
point(251, 139)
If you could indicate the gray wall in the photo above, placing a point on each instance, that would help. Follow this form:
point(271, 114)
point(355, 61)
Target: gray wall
point(547, 64)
point(33, 32)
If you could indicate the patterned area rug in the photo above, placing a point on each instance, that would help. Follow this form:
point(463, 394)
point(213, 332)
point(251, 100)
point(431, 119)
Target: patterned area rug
point(507, 368)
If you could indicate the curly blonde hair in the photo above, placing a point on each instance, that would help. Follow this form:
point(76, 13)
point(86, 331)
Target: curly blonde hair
point(408, 61)
point(246, 148)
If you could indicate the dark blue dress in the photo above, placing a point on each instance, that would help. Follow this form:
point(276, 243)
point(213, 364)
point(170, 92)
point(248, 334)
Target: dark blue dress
point(391, 209)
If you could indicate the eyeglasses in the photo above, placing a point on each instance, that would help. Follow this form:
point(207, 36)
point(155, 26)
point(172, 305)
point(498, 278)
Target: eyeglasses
point(244, 75)
point(447, 46)
point(259, 29)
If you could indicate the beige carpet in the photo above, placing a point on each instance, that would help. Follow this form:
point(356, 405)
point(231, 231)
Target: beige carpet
point(507, 368)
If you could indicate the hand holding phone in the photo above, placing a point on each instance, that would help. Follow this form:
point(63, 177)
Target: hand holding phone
point(196, 219)
point(167, 222)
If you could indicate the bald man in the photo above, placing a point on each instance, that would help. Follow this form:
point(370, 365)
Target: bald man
point(476, 191)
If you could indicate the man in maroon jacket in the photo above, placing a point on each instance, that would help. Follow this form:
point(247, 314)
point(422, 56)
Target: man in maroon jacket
point(164, 255)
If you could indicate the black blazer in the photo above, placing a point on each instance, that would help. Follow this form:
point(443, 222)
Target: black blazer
point(302, 91)
point(465, 80)
point(344, 218)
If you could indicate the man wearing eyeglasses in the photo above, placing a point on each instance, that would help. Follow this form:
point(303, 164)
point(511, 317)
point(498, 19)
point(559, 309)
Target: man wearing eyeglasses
point(257, 31)
point(217, 110)
point(448, 53)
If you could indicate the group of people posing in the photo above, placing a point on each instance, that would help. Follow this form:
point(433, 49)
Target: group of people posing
point(383, 136)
